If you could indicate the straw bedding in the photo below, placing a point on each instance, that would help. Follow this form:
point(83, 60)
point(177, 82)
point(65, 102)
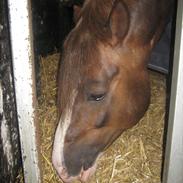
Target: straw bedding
point(135, 157)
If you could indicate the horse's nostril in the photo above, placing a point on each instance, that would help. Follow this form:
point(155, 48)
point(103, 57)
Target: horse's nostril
point(87, 165)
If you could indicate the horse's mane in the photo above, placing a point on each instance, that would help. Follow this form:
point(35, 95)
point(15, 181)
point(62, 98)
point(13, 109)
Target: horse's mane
point(95, 18)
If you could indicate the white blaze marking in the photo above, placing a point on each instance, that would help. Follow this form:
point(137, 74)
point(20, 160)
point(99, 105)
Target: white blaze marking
point(63, 125)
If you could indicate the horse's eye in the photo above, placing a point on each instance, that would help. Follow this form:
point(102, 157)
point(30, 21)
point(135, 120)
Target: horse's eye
point(96, 97)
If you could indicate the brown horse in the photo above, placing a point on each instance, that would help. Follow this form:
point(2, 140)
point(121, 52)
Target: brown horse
point(103, 86)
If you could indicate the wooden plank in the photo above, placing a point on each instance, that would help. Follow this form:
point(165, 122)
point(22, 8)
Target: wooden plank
point(10, 160)
point(173, 166)
point(24, 79)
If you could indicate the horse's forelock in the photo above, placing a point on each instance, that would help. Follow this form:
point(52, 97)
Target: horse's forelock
point(80, 50)
point(81, 45)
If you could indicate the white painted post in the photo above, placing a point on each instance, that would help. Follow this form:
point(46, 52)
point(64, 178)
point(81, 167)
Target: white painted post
point(24, 80)
point(173, 167)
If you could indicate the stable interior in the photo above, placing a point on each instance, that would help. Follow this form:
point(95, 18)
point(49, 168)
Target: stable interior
point(136, 156)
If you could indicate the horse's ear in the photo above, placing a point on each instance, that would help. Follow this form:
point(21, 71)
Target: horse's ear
point(119, 21)
point(76, 13)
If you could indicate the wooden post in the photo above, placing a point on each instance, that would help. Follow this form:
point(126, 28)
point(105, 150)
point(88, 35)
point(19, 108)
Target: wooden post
point(10, 159)
point(25, 91)
point(173, 166)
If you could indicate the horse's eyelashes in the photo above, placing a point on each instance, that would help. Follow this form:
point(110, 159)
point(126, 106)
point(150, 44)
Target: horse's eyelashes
point(96, 97)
